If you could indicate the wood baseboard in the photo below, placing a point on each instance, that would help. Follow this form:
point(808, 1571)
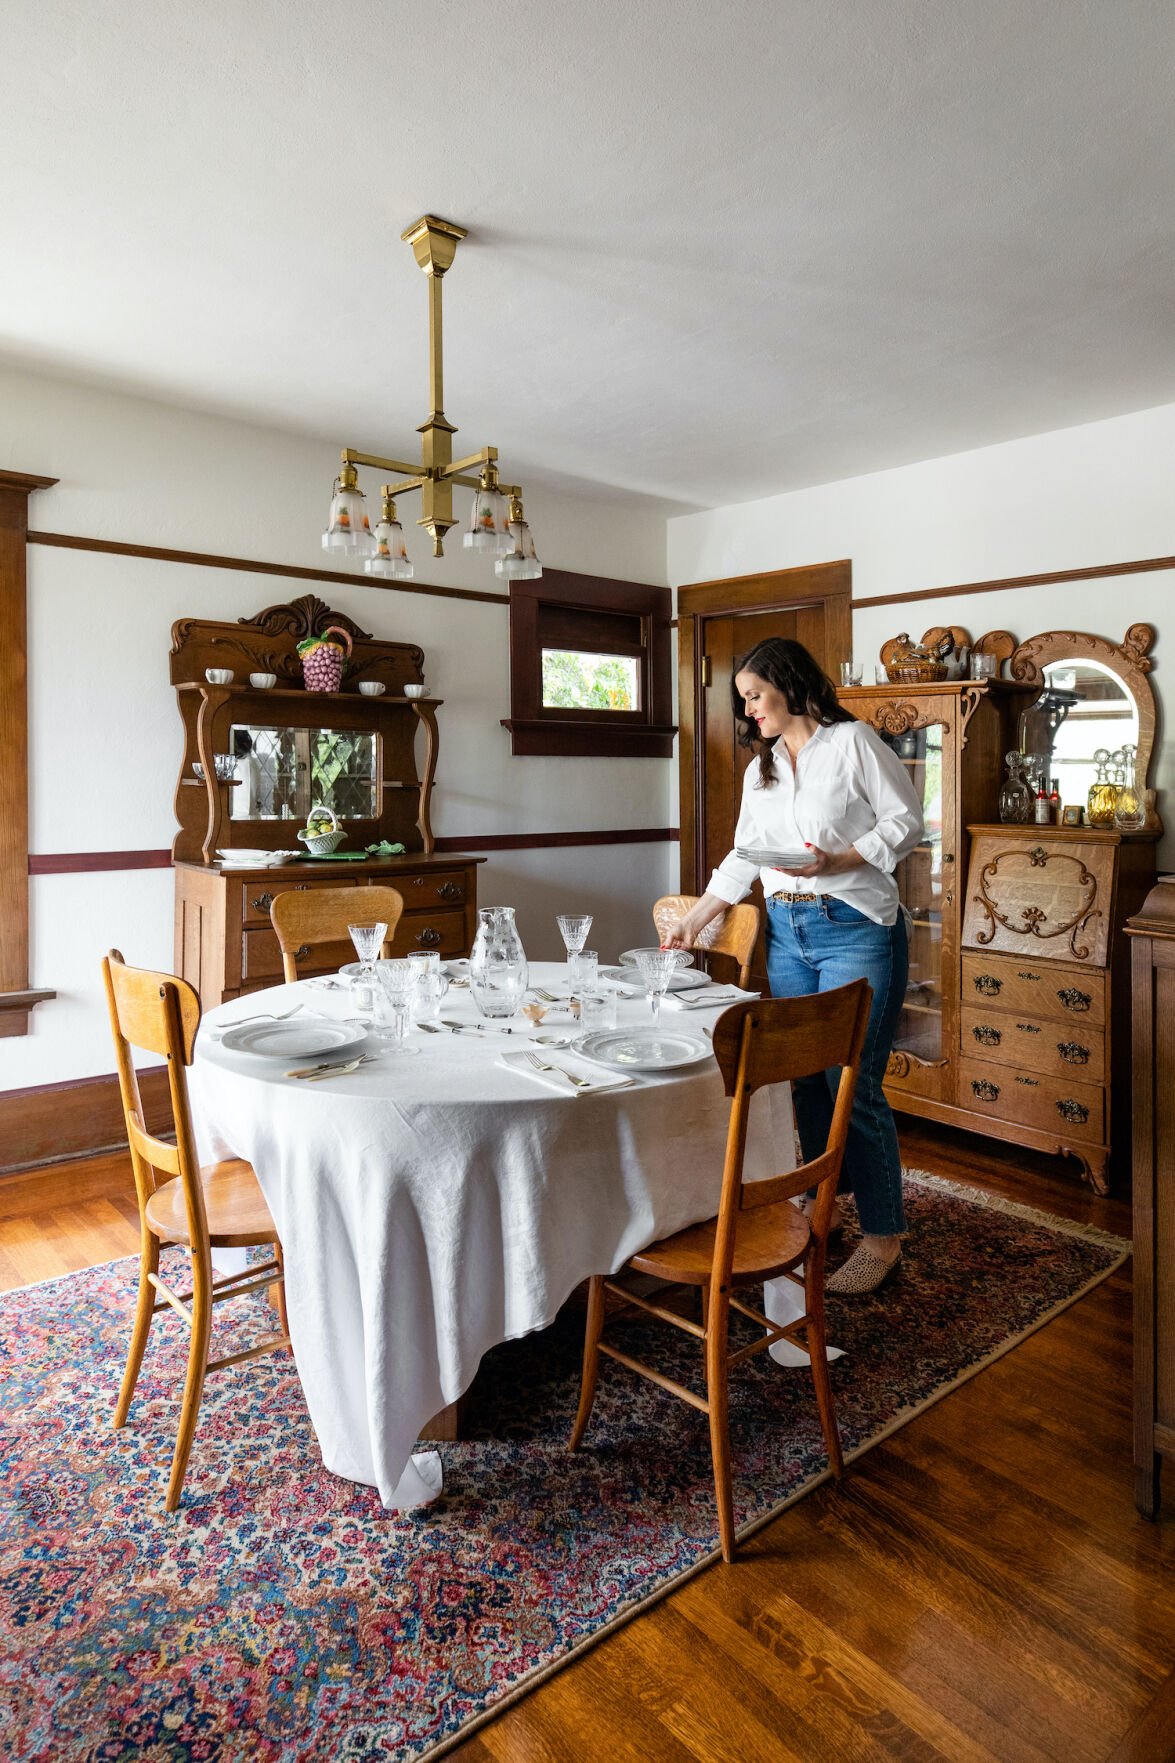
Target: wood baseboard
point(49, 1123)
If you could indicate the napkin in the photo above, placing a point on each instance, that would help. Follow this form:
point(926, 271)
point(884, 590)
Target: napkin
point(709, 998)
point(597, 1079)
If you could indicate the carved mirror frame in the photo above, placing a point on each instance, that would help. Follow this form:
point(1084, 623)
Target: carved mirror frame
point(1129, 661)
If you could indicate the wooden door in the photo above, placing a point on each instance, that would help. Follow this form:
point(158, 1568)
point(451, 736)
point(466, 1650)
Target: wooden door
point(717, 623)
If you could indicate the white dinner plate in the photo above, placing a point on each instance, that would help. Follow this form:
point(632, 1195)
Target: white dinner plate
point(293, 1040)
point(631, 978)
point(643, 1049)
point(629, 957)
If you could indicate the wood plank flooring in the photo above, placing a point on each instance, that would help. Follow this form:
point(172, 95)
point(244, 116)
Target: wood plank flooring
point(979, 1589)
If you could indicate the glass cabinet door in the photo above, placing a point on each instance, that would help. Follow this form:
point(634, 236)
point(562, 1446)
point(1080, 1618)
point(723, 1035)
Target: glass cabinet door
point(920, 889)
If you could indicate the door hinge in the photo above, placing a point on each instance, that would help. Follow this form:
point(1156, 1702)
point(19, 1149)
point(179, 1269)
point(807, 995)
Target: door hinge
point(707, 672)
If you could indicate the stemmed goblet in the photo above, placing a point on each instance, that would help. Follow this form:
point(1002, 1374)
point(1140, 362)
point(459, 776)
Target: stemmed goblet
point(574, 931)
point(397, 982)
point(368, 940)
point(657, 967)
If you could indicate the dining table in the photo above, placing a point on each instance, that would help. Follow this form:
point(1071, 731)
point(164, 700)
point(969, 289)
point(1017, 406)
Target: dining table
point(434, 1202)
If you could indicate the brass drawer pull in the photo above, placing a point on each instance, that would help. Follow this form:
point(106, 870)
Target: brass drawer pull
point(1028, 1028)
point(987, 1092)
point(1032, 1083)
point(1074, 1112)
point(1026, 973)
point(262, 903)
point(302, 951)
point(428, 937)
point(987, 984)
point(1073, 1052)
point(987, 1037)
point(1072, 999)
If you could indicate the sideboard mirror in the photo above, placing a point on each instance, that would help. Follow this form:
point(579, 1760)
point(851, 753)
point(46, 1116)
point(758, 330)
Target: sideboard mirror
point(283, 772)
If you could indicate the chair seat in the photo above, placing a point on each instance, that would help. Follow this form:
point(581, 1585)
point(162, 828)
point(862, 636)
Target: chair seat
point(238, 1216)
point(769, 1241)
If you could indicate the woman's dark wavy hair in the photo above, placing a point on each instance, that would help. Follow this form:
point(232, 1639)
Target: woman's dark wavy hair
point(788, 667)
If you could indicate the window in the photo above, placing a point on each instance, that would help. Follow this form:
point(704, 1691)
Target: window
point(590, 667)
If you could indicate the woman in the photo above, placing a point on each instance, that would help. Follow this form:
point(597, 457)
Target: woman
point(827, 785)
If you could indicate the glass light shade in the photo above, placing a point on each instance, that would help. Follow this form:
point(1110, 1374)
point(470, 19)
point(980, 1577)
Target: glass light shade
point(520, 564)
point(348, 528)
point(391, 556)
point(489, 526)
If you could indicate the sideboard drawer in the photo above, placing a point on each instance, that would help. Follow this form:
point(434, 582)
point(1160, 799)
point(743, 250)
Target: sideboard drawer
point(442, 931)
point(439, 887)
point(1059, 1049)
point(261, 958)
point(1050, 1104)
point(1038, 989)
point(257, 896)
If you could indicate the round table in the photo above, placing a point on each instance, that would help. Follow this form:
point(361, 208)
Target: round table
point(432, 1206)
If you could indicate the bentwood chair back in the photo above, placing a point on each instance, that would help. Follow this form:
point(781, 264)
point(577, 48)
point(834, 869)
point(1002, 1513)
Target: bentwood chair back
point(199, 1209)
point(321, 915)
point(758, 1234)
point(736, 937)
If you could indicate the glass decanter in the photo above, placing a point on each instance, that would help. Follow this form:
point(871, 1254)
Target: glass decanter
point(498, 969)
point(1130, 803)
point(1016, 806)
point(1099, 806)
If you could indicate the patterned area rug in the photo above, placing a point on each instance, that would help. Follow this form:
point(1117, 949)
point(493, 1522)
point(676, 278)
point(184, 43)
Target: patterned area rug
point(282, 1614)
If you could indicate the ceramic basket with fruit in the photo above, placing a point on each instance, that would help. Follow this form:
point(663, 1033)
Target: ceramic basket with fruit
point(322, 833)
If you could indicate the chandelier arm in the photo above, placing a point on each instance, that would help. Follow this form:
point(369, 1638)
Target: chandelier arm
point(403, 486)
point(351, 457)
point(486, 456)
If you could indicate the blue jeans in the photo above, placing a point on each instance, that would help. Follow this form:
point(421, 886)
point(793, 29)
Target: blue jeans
point(815, 946)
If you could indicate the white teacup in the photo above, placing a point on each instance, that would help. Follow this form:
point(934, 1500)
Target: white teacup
point(219, 676)
point(372, 688)
point(415, 691)
point(263, 681)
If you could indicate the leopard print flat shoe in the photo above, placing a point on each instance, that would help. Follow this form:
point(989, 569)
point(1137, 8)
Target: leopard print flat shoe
point(862, 1272)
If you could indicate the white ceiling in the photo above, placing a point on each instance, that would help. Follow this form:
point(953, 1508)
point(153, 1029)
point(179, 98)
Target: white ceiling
point(716, 250)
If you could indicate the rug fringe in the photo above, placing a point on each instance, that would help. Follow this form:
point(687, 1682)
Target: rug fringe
point(1072, 1227)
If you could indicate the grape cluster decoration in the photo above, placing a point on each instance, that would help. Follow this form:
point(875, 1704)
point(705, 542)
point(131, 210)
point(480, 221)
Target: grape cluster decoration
point(323, 660)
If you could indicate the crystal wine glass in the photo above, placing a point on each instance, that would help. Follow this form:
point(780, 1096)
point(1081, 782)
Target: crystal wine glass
point(657, 967)
point(574, 931)
point(368, 940)
point(397, 980)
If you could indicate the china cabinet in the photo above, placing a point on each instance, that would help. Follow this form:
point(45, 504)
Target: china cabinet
point(282, 750)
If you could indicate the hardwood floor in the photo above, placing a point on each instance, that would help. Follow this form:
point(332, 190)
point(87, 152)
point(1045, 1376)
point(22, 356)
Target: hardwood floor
point(979, 1589)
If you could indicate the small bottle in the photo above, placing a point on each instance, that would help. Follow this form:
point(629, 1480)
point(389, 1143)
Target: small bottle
point(1043, 812)
point(1055, 801)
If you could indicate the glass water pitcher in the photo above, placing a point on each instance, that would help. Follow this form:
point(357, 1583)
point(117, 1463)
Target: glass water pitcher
point(498, 968)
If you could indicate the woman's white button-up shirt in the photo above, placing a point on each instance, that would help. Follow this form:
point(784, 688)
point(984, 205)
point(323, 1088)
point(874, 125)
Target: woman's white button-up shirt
point(847, 790)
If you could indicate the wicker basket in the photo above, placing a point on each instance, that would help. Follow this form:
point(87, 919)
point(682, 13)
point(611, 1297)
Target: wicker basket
point(322, 844)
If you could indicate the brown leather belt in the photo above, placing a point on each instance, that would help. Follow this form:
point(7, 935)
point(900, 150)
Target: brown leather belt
point(792, 899)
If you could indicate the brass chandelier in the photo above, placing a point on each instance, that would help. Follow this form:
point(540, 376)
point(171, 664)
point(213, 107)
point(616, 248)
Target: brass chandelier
point(497, 524)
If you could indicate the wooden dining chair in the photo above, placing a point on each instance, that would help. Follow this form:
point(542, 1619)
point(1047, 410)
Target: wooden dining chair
point(220, 1206)
point(757, 1234)
point(321, 915)
point(736, 936)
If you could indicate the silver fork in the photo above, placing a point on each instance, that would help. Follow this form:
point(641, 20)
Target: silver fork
point(581, 1083)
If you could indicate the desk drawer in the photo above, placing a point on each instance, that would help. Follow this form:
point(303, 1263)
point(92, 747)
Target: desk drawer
point(1036, 989)
point(1059, 1049)
point(1057, 1105)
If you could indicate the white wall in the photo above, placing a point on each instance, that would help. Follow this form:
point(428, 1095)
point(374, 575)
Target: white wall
point(105, 734)
point(1101, 493)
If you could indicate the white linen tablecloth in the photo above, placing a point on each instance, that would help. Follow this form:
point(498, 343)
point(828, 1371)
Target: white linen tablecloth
point(430, 1207)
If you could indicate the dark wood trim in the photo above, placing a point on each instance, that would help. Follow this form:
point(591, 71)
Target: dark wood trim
point(767, 588)
point(548, 737)
point(23, 1000)
point(651, 835)
point(1094, 572)
point(15, 490)
point(212, 560)
point(95, 862)
point(47, 1123)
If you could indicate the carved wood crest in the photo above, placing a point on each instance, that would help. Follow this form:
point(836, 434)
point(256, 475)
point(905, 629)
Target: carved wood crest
point(1061, 905)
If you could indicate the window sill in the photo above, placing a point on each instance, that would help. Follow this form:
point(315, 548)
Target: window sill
point(550, 737)
point(15, 1008)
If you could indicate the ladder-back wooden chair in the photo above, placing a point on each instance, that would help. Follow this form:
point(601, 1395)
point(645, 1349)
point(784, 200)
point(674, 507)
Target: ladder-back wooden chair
point(219, 1206)
point(735, 935)
point(303, 920)
point(757, 1234)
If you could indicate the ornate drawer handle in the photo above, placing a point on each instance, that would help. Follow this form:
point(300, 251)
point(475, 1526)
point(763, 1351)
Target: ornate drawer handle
point(987, 1037)
point(417, 881)
point(1072, 999)
point(450, 890)
point(300, 952)
point(1032, 1083)
point(429, 937)
point(1075, 1112)
point(1073, 1052)
point(987, 984)
point(262, 903)
point(987, 1092)
point(1026, 973)
point(1028, 1028)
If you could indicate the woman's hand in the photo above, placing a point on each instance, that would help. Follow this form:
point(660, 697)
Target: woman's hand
point(830, 862)
point(679, 935)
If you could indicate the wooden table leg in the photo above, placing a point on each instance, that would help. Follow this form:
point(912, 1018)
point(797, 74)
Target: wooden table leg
point(449, 1424)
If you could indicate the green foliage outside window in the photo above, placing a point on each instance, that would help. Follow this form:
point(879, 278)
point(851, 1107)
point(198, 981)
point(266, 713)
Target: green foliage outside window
point(576, 681)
